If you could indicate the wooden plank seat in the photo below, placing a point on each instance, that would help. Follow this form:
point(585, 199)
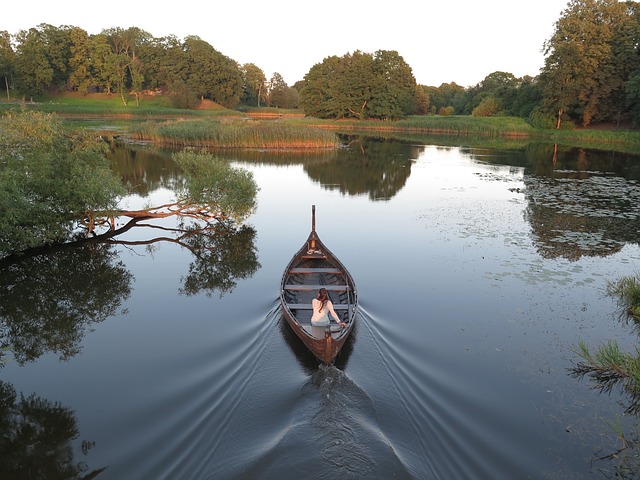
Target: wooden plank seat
point(303, 286)
point(315, 270)
point(307, 306)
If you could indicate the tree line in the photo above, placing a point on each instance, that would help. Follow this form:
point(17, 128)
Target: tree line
point(130, 61)
point(591, 73)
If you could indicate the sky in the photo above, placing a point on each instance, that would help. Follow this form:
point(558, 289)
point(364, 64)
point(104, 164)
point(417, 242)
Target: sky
point(443, 41)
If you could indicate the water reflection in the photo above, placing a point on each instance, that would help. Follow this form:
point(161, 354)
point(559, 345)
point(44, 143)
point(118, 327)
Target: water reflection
point(579, 202)
point(35, 439)
point(376, 167)
point(582, 209)
point(143, 170)
point(306, 359)
point(607, 368)
point(221, 258)
point(51, 299)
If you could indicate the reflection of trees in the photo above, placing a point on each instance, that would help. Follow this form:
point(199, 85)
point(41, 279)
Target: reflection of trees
point(50, 294)
point(377, 167)
point(579, 202)
point(142, 169)
point(221, 257)
point(50, 299)
point(577, 209)
point(35, 439)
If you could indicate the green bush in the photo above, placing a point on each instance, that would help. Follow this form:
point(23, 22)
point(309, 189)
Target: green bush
point(540, 119)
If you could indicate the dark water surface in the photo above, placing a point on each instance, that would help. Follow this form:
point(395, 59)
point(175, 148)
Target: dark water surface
point(478, 270)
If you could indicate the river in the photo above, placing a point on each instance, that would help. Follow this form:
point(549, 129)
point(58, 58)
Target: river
point(478, 269)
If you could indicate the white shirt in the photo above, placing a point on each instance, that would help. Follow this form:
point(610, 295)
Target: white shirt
point(321, 318)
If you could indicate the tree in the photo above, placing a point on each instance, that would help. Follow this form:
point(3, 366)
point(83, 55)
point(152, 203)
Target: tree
point(500, 93)
point(80, 68)
point(162, 62)
point(44, 56)
point(122, 62)
point(633, 96)
point(488, 107)
point(626, 57)
point(254, 81)
point(212, 75)
point(54, 189)
point(49, 182)
point(57, 49)
point(34, 73)
point(318, 96)
point(422, 100)
point(7, 62)
point(278, 92)
point(104, 73)
point(443, 96)
point(589, 57)
point(226, 84)
point(360, 85)
point(396, 86)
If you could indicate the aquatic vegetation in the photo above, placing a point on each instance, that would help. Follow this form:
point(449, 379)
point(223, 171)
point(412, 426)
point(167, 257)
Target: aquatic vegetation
point(627, 290)
point(234, 133)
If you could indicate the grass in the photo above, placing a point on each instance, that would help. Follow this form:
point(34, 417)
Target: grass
point(607, 365)
point(110, 105)
point(441, 125)
point(234, 133)
point(74, 105)
point(627, 291)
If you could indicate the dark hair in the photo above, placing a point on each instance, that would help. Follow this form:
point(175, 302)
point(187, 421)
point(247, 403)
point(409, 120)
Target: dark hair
point(323, 296)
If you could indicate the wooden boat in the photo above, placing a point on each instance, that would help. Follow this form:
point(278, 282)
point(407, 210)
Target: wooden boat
point(311, 268)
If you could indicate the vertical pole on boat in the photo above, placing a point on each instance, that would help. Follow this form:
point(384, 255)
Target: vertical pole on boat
point(313, 227)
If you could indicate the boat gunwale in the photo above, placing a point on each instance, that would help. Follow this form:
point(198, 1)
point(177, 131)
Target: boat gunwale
point(306, 337)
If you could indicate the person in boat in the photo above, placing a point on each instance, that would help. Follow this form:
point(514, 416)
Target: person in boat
point(322, 308)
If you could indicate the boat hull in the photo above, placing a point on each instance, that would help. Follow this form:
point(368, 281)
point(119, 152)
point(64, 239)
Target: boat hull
point(313, 267)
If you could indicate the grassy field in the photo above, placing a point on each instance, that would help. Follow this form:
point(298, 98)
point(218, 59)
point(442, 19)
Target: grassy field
point(111, 105)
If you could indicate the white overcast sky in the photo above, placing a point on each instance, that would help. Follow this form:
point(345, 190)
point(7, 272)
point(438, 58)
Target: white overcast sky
point(443, 41)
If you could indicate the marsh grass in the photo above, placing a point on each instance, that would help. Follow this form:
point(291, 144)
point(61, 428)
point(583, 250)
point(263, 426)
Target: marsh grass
point(627, 292)
point(74, 105)
point(511, 128)
point(440, 125)
point(607, 365)
point(234, 133)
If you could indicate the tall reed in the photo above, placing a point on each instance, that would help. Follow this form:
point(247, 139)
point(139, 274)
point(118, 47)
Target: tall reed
point(234, 133)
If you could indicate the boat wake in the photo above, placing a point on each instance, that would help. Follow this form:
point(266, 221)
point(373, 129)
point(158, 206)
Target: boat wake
point(330, 430)
point(347, 434)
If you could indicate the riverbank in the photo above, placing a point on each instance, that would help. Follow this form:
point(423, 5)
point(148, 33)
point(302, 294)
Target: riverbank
point(76, 106)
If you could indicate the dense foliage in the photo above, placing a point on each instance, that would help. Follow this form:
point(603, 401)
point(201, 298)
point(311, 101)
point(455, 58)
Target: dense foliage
point(55, 187)
point(591, 73)
point(360, 85)
point(593, 62)
point(47, 58)
point(49, 182)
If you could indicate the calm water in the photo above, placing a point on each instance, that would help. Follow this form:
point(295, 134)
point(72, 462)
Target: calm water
point(478, 271)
